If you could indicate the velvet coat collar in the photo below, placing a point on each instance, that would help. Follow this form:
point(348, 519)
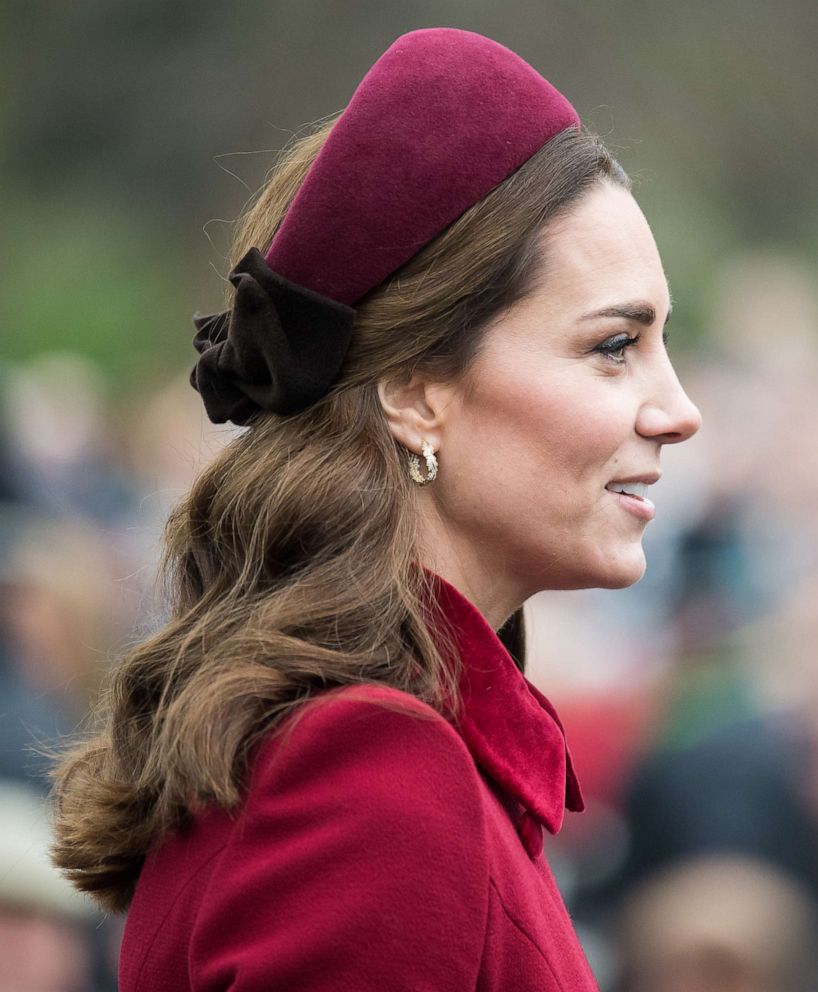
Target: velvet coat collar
point(511, 729)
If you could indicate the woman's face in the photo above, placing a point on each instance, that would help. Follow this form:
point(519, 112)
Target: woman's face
point(557, 410)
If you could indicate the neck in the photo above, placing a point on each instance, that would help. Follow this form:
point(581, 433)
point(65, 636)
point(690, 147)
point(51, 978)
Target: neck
point(486, 583)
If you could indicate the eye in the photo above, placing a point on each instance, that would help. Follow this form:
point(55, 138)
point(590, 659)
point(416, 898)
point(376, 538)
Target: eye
point(617, 345)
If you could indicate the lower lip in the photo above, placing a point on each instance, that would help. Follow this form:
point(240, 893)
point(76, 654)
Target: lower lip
point(642, 508)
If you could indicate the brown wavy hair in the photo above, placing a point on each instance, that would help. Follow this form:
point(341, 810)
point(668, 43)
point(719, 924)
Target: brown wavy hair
point(290, 566)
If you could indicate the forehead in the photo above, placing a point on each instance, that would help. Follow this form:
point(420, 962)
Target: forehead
point(600, 251)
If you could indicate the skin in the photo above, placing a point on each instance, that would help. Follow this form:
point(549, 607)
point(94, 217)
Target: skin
point(528, 439)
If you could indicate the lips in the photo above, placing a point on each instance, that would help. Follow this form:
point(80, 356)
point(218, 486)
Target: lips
point(646, 478)
point(639, 505)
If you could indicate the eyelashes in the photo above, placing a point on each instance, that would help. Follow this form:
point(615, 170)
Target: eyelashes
point(620, 343)
point(610, 347)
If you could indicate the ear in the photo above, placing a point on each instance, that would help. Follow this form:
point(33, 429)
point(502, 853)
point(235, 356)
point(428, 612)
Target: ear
point(415, 410)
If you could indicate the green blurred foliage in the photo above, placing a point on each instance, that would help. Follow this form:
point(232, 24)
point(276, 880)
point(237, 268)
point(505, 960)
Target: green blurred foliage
point(129, 128)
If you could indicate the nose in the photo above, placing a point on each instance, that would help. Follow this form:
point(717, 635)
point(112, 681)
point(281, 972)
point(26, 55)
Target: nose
point(669, 415)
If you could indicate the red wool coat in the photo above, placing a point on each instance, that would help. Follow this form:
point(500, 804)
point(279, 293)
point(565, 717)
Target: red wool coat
point(380, 849)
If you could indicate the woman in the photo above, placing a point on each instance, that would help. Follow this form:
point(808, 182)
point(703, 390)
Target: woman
point(328, 771)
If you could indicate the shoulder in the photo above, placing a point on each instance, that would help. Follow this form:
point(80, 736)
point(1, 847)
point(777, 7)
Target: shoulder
point(364, 701)
point(349, 706)
point(367, 735)
point(360, 854)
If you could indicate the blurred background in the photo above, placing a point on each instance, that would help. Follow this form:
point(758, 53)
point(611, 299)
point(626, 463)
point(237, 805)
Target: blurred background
point(133, 135)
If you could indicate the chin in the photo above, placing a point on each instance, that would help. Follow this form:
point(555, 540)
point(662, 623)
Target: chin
point(614, 573)
point(620, 575)
point(618, 571)
point(609, 579)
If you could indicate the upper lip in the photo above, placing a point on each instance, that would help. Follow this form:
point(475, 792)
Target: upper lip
point(648, 478)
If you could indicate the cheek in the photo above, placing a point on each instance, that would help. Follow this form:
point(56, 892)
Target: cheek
point(563, 429)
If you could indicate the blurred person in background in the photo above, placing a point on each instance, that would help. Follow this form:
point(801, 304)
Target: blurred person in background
point(718, 923)
point(59, 621)
point(66, 451)
point(44, 923)
point(725, 771)
point(65, 608)
point(328, 769)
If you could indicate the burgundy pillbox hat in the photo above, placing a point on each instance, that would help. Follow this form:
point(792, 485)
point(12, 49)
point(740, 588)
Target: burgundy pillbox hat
point(440, 120)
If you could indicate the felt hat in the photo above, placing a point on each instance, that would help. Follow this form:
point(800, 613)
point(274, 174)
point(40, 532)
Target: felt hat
point(440, 120)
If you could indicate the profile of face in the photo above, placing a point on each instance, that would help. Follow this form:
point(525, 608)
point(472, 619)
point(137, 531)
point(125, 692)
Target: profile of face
point(571, 390)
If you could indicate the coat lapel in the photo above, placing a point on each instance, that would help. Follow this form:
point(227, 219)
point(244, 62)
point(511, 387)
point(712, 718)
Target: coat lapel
point(512, 730)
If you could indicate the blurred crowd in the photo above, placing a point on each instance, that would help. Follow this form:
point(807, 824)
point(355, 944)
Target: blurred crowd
point(690, 700)
point(85, 487)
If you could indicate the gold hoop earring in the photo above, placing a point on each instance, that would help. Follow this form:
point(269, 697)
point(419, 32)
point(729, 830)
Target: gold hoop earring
point(431, 464)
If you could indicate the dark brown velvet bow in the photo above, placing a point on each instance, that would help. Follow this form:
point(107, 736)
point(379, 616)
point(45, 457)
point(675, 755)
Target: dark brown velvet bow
point(279, 348)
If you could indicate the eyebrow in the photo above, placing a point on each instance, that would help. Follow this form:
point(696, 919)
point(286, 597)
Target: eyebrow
point(641, 313)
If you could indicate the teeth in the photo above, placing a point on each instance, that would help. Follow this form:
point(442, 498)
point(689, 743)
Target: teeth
point(639, 489)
